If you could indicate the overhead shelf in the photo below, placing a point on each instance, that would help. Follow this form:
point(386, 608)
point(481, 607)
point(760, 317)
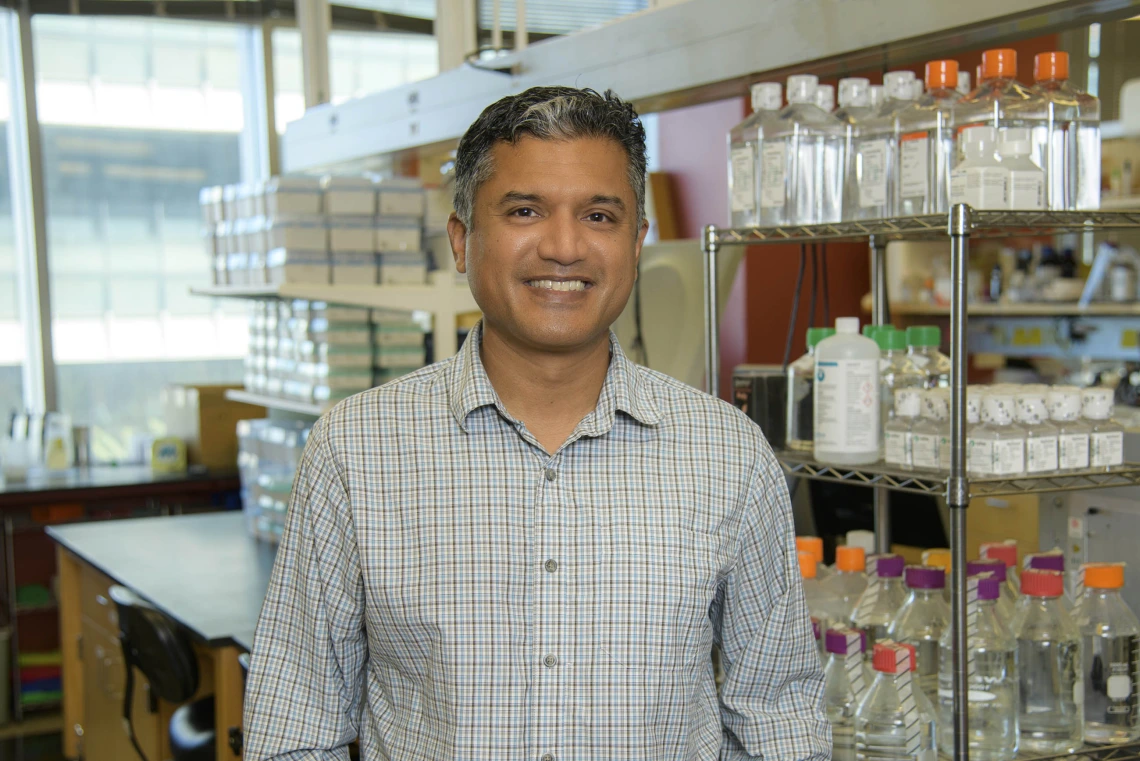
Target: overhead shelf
point(276, 403)
point(802, 465)
point(1036, 309)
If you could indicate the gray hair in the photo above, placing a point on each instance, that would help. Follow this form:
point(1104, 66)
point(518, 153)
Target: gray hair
point(547, 113)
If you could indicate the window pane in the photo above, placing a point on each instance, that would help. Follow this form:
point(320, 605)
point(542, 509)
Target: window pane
point(143, 114)
point(11, 305)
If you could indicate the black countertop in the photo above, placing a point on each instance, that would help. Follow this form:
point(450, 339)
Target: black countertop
point(204, 571)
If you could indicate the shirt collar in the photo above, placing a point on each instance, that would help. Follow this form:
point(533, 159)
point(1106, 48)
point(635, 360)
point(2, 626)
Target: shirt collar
point(624, 389)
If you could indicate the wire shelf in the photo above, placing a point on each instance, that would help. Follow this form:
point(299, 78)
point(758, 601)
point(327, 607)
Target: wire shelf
point(989, 224)
point(1127, 752)
point(801, 465)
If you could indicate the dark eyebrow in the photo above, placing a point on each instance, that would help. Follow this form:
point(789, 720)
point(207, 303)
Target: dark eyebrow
point(608, 201)
point(514, 196)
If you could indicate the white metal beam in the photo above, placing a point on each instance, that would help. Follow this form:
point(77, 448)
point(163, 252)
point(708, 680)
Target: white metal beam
point(456, 32)
point(260, 149)
point(314, 19)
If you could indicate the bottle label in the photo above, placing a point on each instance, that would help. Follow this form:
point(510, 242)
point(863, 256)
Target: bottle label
point(1110, 695)
point(1026, 190)
point(743, 178)
point(924, 450)
point(1009, 457)
point(894, 447)
point(1041, 454)
point(980, 456)
point(847, 405)
point(980, 187)
point(872, 168)
point(773, 171)
point(1106, 449)
point(914, 163)
point(944, 451)
point(1073, 450)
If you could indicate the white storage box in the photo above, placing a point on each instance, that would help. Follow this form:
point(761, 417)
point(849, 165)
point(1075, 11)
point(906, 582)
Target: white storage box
point(397, 235)
point(400, 197)
point(351, 235)
point(213, 209)
point(349, 196)
point(292, 196)
point(289, 265)
point(402, 274)
point(307, 233)
point(319, 309)
point(353, 269)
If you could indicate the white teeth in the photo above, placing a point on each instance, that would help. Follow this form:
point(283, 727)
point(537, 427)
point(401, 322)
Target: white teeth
point(559, 285)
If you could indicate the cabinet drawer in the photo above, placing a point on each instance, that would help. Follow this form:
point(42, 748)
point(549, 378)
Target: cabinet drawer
point(96, 603)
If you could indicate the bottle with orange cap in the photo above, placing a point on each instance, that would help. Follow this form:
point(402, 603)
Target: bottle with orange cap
point(926, 143)
point(1110, 636)
point(814, 546)
point(849, 580)
point(1067, 137)
point(821, 605)
point(894, 721)
point(999, 100)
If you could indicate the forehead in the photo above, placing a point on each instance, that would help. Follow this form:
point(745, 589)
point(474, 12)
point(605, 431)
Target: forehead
point(586, 164)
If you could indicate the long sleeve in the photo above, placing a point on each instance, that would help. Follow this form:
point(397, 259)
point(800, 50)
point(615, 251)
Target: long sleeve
point(303, 699)
point(772, 698)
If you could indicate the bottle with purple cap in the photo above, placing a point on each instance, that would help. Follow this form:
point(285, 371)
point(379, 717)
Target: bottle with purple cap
point(1007, 601)
point(845, 682)
point(921, 621)
point(991, 672)
point(881, 601)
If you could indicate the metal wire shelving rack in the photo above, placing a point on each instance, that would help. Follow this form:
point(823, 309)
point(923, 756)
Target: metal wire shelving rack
point(958, 226)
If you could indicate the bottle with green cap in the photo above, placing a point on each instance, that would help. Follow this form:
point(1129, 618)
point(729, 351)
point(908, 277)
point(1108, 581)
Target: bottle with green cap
point(922, 349)
point(801, 381)
point(896, 370)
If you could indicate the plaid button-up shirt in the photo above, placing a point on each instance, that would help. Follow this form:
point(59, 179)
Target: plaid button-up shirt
point(445, 589)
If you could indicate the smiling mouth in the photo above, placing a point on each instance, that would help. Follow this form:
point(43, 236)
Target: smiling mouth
point(559, 285)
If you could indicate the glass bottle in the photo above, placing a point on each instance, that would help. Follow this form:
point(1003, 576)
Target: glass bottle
point(849, 580)
point(930, 435)
point(744, 142)
point(921, 621)
point(1051, 706)
point(992, 700)
point(1072, 432)
point(1007, 439)
point(1106, 440)
point(1007, 603)
point(922, 348)
point(889, 725)
point(799, 431)
point(896, 370)
point(1110, 636)
point(979, 452)
point(926, 143)
point(897, 442)
point(880, 602)
point(1040, 434)
point(813, 545)
point(845, 682)
point(854, 112)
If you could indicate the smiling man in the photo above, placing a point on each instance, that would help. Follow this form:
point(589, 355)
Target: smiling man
point(527, 551)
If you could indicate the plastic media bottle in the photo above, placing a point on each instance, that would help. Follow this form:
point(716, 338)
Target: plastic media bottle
point(926, 143)
point(1006, 438)
point(876, 148)
point(801, 383)
point(979, 452)
point(825, 97)
point(999, 101)
point(813, 545)
point(1106, 440)
point(1008, 601)
point(921, 621)
point(846, 397)
point(1066, 138)
point(992, 701)
point(896, 369)
point(1040, 434)
point(897, 443)
point(881, 601)
point(930, 436)
point(849, 580)
point(1110, 636)
point(922, 348)
point(1006, 552)
point(845, 682)
point(1026, 178)
point(743, 145)
point(939, 557)
point(800, 161)
point(878, 97)
point(895, 721)
point(1072, 432)
point(1051, 713)
point(854, 112)
point(979, 179)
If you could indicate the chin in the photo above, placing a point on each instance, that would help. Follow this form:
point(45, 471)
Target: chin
point(557, 336)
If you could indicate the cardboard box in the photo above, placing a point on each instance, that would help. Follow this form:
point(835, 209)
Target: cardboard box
point(207, 421)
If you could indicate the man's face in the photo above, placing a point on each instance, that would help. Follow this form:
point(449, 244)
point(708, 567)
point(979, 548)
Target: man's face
point(552, 252)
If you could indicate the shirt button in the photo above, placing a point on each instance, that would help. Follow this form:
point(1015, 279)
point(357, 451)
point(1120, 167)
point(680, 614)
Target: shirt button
point(551, 474)
point(551, 565)
point(547, 757)
point(550, 661)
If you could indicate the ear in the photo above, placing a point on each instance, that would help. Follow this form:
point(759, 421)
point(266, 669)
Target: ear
point(457, 234)
point(643, 229)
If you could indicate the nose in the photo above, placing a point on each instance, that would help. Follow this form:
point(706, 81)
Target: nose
point(561, 239)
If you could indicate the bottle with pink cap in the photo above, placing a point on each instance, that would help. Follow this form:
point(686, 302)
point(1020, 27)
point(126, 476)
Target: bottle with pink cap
point(845, 682)
point(1006, 552)
point(881, 601)
point(894, 721)
point(921, 622)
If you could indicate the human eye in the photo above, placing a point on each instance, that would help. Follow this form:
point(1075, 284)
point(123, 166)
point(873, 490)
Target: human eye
point(599, 216)
point(524, 212)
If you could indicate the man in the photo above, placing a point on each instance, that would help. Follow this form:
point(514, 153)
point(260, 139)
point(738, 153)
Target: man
point(527, 551)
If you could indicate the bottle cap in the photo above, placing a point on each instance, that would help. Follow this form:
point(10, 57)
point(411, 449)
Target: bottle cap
point(801, 88)
point(1096, 403)
point(908, 402)
point(1048, 66)
point(893, 657)
point(1103, 575)
point(1005, 551)
point(998, 408)
point(878, 95)
point(941, 75)
point(936, 404)
point(807, 564)
point(767, 96)
point(812, 545)
point(963, 82)
point(871, 331)
point(847, 325)
point(1036, 583)
point(825, 97)
point(1064, 403)
point(925, 577)
point(1031, 407)
point(1013, 142)
point(889, 566)
point(850, 559)
point(989, 588)
point(835, 641)
point(897, 84)
point(999, 64)
point(923, 335)
point(974, 567)
point(815, 335)
point(861, 538)
point(1046, 561)
point(978, 141)
point(892, 340)
point(854, 91)
point(937, 558)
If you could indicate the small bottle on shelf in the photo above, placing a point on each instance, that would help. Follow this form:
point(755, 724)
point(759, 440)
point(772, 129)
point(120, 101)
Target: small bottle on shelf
point(801, 385)
point(1026, 179)
point(813, 545)
point(846, 420)
point(979, 452)
point(894, 710)
point(979, 179)
point(922, 349)
point(897, 442)
point(744, 143)
point(896, 369)
point(1007, 439)
point(1040, 434)
point(930, 434)
point(1072, 432)
point(996, 568)
point(1106, 440)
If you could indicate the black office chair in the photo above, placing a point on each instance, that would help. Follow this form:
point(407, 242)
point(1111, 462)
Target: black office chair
point(162, 651)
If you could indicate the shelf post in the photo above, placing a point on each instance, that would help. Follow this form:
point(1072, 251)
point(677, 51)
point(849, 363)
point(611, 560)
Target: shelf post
point(712, 317)
point(958, 487)
point(881, 505)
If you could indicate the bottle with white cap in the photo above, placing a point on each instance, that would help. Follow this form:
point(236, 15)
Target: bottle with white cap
point(878, 97)
point(825, 97)
point(1040, 434)
point(876, 149)
point(801, 179)
point(979, 179)
point(846, 397)
point(979, 452)
point(1026, 179)
point(1072, 432)
point(1106, 440)
point(1006, 437)
point(897, 442)
point(929, 435)
point(744, 151)
point(854, 113)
